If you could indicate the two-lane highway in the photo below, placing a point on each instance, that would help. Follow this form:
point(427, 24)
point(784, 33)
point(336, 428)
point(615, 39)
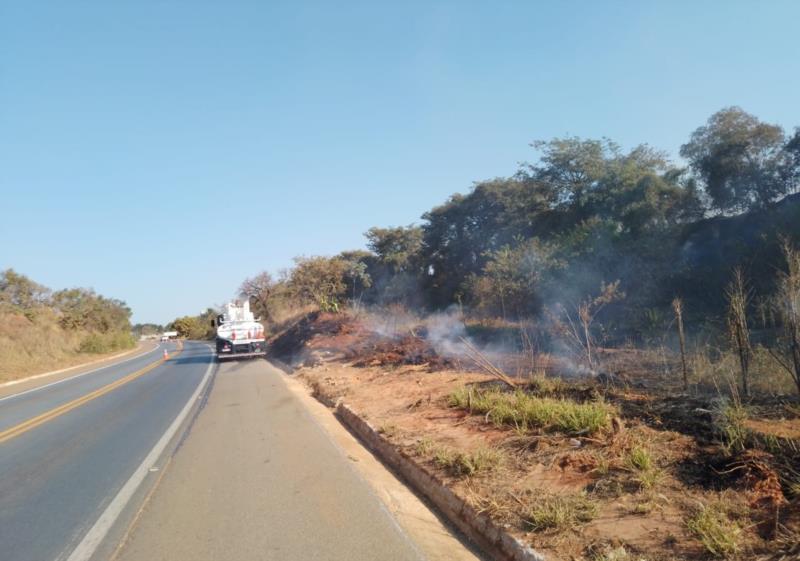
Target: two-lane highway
point(185, 459)
point(66, 449)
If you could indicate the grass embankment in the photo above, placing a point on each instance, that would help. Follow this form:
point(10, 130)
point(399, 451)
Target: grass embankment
point(40, 344)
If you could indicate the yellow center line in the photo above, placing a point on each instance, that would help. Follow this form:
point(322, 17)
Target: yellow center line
point(34, 422)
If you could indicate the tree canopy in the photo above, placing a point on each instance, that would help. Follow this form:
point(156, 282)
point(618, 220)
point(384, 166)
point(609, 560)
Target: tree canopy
point(584, 213)
point(743, 162)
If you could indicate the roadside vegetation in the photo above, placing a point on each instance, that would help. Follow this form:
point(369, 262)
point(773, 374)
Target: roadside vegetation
point(603, 335)
point(41, 329)
point(197, 328)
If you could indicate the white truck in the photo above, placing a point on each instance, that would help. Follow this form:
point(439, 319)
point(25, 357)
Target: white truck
point(239, 334)
point(169, 335)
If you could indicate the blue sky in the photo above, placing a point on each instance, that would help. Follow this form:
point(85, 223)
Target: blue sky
point(160, 152)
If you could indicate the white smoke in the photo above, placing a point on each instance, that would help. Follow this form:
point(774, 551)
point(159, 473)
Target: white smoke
point(446, 333)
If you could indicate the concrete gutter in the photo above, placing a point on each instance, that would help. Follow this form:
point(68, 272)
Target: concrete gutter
point(491, 538)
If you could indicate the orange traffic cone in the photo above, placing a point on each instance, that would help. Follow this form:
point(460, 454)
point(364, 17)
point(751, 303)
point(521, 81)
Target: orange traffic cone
point(166, 354)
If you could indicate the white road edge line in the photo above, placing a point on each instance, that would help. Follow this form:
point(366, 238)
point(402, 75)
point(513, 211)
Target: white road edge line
point(112, 365)
point(94, 537)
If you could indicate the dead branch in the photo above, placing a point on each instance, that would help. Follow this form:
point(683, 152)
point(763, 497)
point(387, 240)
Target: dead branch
point(485, 364)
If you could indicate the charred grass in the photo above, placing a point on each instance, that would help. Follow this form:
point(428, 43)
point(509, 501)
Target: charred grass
point(618, 468)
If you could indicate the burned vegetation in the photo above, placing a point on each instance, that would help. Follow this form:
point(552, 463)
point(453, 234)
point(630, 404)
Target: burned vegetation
point(601, 352)
point(609, 463)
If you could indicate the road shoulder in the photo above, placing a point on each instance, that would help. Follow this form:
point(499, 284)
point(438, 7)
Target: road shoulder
point(258, 478)
point(433, 536)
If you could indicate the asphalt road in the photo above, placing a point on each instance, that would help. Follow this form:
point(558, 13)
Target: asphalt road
point(60, 474)
point(258, 479)
point(248, 476)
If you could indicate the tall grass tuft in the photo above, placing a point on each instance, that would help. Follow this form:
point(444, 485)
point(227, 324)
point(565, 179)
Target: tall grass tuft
point(560, 512)
point(524, 411)
point(718, 534)
point(467, 464)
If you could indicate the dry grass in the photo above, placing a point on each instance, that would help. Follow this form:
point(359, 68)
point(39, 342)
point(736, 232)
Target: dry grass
point(720, 535)
point(560, 512)
point(284, 316)
point(467, 464)
point(730, 417)
point(767, 376)
point(645, 475)
point(618, 553)
point(639, 460)
point(389, 430)
point(425, 447)
point(546, 386)
point(38, 344)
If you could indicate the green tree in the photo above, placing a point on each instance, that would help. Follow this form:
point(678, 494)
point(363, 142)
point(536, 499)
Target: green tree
point(199, 327)
point(792, 170)
point(740, 160)
point(82, 308)
point(20, 292)
point(357, 272)
point(510, 280)
point(319, 280)
point(460, 235)
point(641, 191)
point(397, 248)
point(187, 326)
point(573, 166)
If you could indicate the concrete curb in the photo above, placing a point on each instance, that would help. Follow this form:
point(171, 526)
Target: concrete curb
point(487, 535)
point(68, 368)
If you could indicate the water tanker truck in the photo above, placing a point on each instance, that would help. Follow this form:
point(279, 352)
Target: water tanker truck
point(239, 335)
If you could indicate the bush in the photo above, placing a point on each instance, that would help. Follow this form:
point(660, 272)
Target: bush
point(98, 343)
point(42, 330)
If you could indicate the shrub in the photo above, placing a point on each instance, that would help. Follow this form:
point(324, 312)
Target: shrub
point(93, 343)
point(97, 343)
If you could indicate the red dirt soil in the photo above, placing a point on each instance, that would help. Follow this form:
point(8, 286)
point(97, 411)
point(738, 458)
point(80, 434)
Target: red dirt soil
point(401, 385)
